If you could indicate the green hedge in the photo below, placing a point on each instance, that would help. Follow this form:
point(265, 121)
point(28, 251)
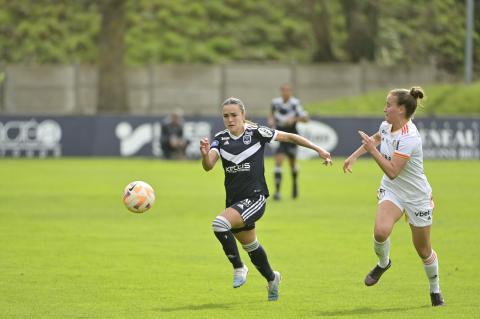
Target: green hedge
point(453, 99)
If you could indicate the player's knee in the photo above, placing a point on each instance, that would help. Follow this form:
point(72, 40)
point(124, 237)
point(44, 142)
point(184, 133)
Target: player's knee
point(381, 234)
point(424, 251)
point(252, 246)
point(221, 224)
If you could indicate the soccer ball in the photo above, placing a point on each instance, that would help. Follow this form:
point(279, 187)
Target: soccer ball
point(138, 197)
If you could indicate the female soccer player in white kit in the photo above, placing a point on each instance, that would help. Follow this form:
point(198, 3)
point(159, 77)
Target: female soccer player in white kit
point(404, 186)
point(241, 149)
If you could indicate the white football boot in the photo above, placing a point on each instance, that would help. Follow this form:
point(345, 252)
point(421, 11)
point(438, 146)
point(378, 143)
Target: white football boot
point(240, 276)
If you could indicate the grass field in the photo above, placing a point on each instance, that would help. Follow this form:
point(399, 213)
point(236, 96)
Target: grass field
point(69, 249)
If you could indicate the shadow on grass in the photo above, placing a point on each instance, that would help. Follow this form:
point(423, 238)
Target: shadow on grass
point(195, 307)
point(367, 311)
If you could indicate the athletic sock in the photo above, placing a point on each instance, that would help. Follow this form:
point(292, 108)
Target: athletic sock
point(259, 259)
point(278, 179)
point(431, 269)
point(382, 250)
point(294, 181)
point(221, 229)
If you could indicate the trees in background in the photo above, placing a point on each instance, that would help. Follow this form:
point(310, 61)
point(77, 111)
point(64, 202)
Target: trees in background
point(213, 31)
point(111, 75)
point(138, 32)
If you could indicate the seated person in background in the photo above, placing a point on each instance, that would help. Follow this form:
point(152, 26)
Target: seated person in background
point(173, 143)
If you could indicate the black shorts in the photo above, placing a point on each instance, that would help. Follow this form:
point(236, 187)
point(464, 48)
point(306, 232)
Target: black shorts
point(251, 209)
point(288, 149)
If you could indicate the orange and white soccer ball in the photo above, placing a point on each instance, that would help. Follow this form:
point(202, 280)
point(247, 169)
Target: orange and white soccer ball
point(138, 197)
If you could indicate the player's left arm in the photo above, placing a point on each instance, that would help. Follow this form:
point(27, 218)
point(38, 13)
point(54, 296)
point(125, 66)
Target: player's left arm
point(302, 115)
point(391, 168)
point(302, 141)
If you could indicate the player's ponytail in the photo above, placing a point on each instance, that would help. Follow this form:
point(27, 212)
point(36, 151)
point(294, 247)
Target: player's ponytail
point(408, 98)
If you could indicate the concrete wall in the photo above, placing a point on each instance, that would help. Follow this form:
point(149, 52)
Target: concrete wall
point(197, 89)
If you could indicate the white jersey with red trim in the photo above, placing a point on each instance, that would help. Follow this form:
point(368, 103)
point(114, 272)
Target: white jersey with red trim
point(411, 185)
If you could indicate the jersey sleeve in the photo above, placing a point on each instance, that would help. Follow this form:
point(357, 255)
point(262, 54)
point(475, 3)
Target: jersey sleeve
point(299, 110)
point(384, 127)
point(266, 134)
point(273, 107)
point(215, 145)
point(406, 146)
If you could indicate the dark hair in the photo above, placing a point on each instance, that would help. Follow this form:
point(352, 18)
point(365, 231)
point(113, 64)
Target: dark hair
point(408, 98)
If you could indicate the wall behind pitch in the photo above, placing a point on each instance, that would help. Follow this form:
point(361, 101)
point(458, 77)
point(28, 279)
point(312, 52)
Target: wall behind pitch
point(42, 136)
point(197, 89)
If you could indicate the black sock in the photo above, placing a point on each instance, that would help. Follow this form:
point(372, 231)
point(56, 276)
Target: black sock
point(230, 247)
point(295, 187)
point(278, 181)
point(260, 260)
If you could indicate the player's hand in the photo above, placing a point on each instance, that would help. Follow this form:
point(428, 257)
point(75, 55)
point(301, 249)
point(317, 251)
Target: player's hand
point(204, 146)
point(291, 121)
point(270, 122)
point(327, 157)
point(347, 165)
point(367, 141)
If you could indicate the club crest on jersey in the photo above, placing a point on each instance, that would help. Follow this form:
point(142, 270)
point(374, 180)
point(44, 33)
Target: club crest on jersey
point(265, 132)
point(247, 137)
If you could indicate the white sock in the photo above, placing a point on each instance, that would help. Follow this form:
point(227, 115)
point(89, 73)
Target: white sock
point(382, 250)
point(431, 269)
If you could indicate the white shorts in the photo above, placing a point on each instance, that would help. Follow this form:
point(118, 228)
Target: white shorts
point(419, 213)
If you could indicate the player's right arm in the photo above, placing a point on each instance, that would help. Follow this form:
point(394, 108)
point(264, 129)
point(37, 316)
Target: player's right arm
point(271, 117)
point(209, 156)
point(347, 165)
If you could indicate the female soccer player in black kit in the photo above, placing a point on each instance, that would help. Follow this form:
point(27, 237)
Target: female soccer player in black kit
point(286, 112)
point(241, 148)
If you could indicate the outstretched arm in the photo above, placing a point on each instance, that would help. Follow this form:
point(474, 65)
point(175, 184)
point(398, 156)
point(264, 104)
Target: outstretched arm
point(347, 165)
point(209, 156)
point(302, 141)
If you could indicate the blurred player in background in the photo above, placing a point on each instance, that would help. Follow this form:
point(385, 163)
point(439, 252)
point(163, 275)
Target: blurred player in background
point(286, 112)
point(241, 148)
point(404, 187)
point(172, 141)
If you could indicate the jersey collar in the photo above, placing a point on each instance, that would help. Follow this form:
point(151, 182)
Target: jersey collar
point(234, 137)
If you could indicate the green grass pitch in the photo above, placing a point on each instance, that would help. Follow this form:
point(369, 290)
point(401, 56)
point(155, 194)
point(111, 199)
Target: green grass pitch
point(69, 249)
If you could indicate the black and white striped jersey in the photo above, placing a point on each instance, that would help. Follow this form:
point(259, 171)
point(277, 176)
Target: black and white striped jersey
point(242, 160)
point(284, 111)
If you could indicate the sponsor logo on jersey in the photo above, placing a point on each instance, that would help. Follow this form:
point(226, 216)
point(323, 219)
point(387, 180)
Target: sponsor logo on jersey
point(225, 138)
point(245, 167)
point(265, 132)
